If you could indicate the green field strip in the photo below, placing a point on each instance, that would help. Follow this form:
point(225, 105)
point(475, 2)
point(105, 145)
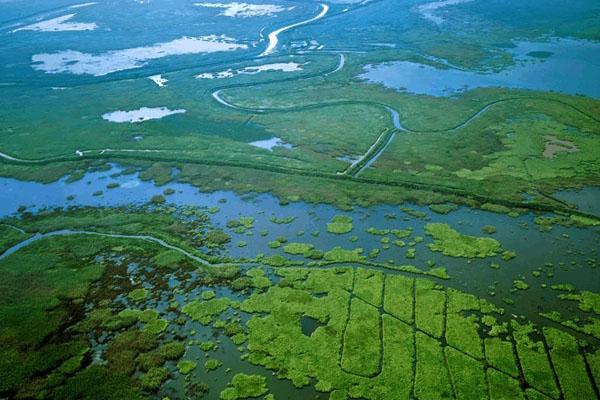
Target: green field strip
point(398, 357)
point(569, 365)
point(361, 350)
point(467, 374)
point(462, 331)
point(534, 360)
point(432, 378)
point(593, 362)
point(399, 300)
point(368, 285)
point(429, 307)
point(500, 355)
point(503, 387)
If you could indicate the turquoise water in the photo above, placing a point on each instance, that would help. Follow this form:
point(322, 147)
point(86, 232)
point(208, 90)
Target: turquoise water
point(136, 28)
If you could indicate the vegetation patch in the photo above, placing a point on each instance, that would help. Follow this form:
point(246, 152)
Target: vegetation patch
point(588, 301)
point(361, 353)
point(212, 364)
point(203, 311)
point(452, 243)
point(430, 303)
point(283, 220)
point(241, 225)
point(569, 365)
point(443, 208)
point(368, 285)
point(138, 294)
point(244, 386)
point(340, 224)
point(298, 248)
point(186, 366)
point(340, 255)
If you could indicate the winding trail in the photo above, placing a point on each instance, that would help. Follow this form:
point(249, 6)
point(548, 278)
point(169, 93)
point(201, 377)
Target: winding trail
point(339, 67)
point(91, 153)
point(370, 157)
point(273, 36)
point(335, 264)
point(373, 156)
point(217, 96)
point(65, 232)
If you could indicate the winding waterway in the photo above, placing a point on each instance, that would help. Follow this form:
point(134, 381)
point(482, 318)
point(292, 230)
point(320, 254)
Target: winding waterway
point(566, 246)
point(273, 36)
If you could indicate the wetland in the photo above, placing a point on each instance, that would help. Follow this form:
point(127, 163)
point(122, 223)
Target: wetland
point(299, 200)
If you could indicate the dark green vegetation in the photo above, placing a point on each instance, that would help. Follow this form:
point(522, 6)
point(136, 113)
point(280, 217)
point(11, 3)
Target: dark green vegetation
point(165, 301)
point(376, 333)
point(447, 341)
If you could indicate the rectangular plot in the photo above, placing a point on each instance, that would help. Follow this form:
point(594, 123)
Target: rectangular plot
point(398, 299)
point(459, 301)
point(429, 307)
point(398, 355)
point(368, 285)
point(569, 365)
point(324, 280)
point(462, 331)
point(533, 394)
point(431, 379)
point(468, 375)
point(499, 354)
point(503, 387)
point(534, 360)
point(361, 353)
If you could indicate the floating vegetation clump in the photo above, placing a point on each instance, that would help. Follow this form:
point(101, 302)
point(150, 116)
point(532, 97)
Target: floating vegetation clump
point(244, 386)
point(282, 220)
point(452, 243)
point(340, 224)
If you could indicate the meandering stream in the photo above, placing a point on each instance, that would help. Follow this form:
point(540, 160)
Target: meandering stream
point(273, 36)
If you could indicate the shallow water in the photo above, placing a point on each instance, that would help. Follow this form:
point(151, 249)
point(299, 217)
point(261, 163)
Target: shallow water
point(269, 144)
point(586, 199)
point(568, 249)
point(544, 66)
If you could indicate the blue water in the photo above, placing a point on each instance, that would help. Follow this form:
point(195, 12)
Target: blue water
point(561, 245)
point(573, 67)
point(586, 199)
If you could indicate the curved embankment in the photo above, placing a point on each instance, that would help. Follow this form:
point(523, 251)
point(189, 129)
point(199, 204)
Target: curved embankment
point(382, 142)
point(78, 154)
point(273, 36)
point(311, 173)
point(95, 153)
point(365, 163)
point(409, 269)
point(339, 66)
point(65, 232)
